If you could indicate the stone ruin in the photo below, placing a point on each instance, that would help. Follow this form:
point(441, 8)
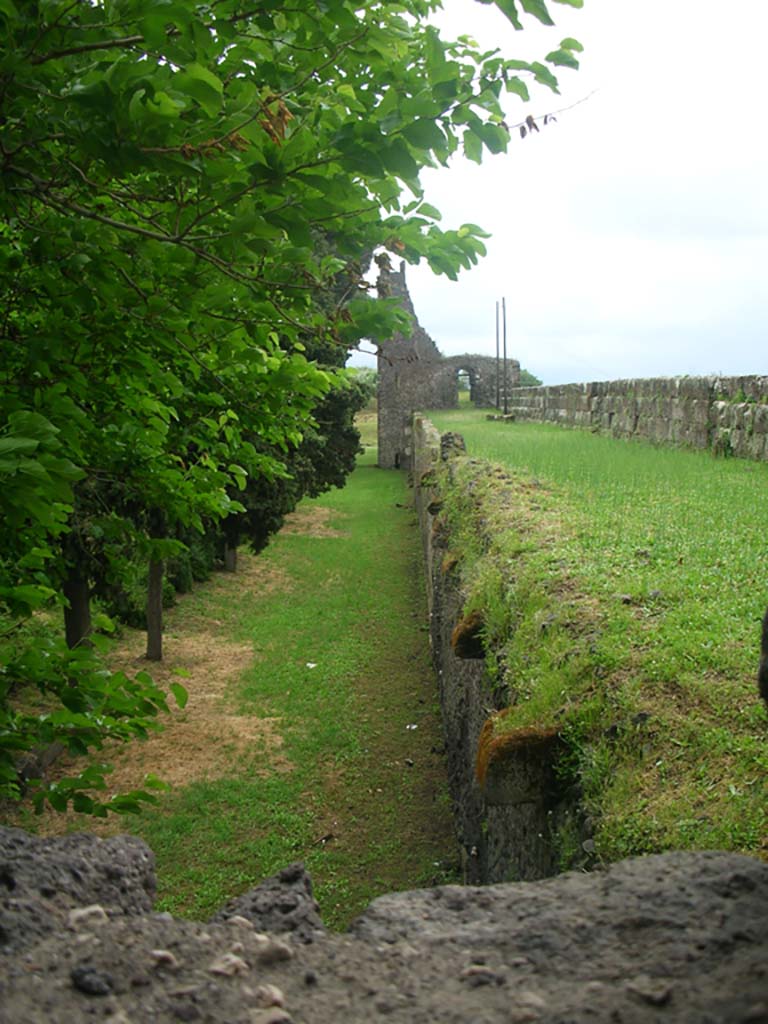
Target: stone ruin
point(679, 937)
point(414, 376)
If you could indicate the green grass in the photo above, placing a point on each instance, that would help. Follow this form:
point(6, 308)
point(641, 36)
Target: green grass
point(366, 422)
point(625, 580)
point(361, 818)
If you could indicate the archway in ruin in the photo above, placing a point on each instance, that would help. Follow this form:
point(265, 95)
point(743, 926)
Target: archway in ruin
point(414, 375)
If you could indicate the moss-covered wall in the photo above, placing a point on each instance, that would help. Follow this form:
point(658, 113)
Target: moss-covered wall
point(505, 818)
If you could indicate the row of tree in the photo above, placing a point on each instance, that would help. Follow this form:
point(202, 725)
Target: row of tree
point(190, 193)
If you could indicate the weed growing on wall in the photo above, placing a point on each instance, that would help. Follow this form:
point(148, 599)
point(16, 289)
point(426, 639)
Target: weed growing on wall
point(622, 587)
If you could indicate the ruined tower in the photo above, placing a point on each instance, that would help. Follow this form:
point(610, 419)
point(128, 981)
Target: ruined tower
point(414, 375)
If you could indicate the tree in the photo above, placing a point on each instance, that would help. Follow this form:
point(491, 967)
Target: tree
point(529, 380)
point(167, 171)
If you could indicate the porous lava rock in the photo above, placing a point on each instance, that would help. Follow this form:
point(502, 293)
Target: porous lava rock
point(282, 904)
point(678, 937)
point(42, 879)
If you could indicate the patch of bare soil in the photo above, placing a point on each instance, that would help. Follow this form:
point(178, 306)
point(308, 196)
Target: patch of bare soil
point(312, 521)
point(205, 739)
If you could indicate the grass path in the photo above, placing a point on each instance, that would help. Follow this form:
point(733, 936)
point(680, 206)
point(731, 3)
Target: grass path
point(312, 731)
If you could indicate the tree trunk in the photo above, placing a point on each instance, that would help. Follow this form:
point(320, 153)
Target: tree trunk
point(77, 617)
point(76, 589)
point(158, 530)
point(155, 611)
point(231, 540)
point(230, 558)
point(77, 629)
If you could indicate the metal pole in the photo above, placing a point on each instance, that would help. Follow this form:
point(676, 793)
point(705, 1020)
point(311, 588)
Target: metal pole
point(504, 319)
point(498, 367)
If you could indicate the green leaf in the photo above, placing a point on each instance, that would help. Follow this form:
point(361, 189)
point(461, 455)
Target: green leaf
point(152, 781)
point(57, 800)
point(366, 162)
point(563, 58)
point(538, 9)
point(104, 623)
point(161, 105)
point(130, 803)
point(97, 96)
point(473, 147)
point(202, 85)
point(427, 210)
point(507, 7)
point(518, 86)
point(398, 159)
point(494, 136)
point(572, 44)
point(180, 694)
point(424, 134)
point(544, 76)
point(28, 595)
point(475, 230)
point(17, 444)
point(518, 65)
point(153, 27)
point(136, 106)
point(434, 49)
point(82, 803)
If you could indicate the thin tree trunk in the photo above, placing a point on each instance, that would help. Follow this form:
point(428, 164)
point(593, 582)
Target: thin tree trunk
point(77, 617)
point(155, 611)
point(230, 558)
point(231, 540)
point(77, 629)
point(158, 530)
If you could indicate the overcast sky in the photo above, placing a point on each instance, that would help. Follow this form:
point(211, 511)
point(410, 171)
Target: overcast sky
point(631, 237)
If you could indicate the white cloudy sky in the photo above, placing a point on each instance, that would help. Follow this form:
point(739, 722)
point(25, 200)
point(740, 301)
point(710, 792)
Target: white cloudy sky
point(631, 237)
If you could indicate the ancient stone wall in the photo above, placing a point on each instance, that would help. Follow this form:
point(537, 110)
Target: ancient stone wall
point(414, 375)
point(727, 414)
point(504, 826)
point(408, 378)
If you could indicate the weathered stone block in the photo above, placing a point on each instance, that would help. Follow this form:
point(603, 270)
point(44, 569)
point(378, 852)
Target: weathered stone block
point(760, 421)
point(517, 766)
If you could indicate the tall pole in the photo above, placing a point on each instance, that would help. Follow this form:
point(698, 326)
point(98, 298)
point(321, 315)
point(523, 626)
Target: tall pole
point(498, 367)
point(504, 320)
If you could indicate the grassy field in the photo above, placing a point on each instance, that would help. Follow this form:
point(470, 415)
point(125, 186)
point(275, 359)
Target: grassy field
point(367, 423)
point(624, 585)
point(311, 730)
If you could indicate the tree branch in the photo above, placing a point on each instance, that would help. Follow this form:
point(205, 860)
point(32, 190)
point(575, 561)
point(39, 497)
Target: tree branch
point(104, 44)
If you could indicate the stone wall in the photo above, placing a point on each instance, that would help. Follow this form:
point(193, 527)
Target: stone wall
point(505, 826)
point(406, 378)
point(679, 937)
point(727, 414)
point(483, 374)
point(413, 374)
